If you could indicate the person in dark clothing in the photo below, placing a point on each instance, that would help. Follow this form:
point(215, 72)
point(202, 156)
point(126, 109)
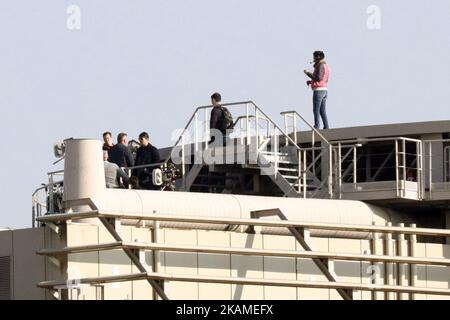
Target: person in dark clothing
point(120, 154)
point(217, 120)
point(107, 139)
point(145, 155)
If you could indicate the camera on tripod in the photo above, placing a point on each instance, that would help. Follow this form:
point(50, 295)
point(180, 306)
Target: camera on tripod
point(165, 176)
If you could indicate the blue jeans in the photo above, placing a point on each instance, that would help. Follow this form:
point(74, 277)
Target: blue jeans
point(319, 108)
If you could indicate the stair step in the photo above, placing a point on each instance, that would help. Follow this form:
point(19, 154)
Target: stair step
point(289, 177)
point(287, 169)
point(286, 162)
point(280, 154)
point(308, 181)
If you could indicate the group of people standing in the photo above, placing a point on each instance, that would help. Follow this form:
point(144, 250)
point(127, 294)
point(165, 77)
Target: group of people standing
point(118, 156)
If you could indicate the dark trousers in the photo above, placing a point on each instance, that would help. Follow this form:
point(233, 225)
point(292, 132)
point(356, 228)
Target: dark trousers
point(224, 137)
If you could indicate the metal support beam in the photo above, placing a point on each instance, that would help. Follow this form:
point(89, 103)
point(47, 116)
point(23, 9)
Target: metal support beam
point(159, 289)
point(249, 281)
point(412, 268)
point(139, 246)
point(381, 167)
point(298, 235)
point(266, 223)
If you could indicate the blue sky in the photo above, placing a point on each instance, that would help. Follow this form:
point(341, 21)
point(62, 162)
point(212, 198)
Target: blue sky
point(145, 64)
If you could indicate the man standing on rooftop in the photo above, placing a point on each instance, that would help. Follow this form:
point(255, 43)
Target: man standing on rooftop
point(319, 85)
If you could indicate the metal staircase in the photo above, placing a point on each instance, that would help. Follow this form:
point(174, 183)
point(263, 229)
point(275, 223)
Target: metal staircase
point(256, 143)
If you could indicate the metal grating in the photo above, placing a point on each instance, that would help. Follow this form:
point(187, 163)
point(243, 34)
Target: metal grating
point(5, 278)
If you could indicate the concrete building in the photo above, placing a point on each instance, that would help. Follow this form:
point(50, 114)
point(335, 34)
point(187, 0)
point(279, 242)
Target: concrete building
point(280, 212)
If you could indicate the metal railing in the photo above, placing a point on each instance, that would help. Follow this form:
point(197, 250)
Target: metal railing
point(447, 164)
point(437, 173)
point(255, 130)
point(292, 116)
point(44, 198)
point(315, 159)
point(407, 167)
point(38, 206)
point(389, 287)
point(321, 166)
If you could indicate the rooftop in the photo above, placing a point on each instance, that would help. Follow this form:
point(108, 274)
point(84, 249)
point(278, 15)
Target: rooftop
point(384, 130)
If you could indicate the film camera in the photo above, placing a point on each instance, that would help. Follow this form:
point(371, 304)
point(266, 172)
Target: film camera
point(165, 176)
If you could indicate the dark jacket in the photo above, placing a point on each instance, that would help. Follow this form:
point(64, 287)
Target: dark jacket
point(121, 155)
point(218, 120)
point(108, 148)
point(146, 155)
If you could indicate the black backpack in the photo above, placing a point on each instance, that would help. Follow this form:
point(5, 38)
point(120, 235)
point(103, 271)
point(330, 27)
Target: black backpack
point(228, 118)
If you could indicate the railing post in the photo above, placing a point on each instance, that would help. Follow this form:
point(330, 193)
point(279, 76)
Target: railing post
point(196, 132)
point(304, 184)
point(339, 173)
point(257, 128)
point(412, 267)
point(447, 164)
point(313, 145)
point(430, 169)
point(33, 212)
point(402, 267)
point(396, 169)
point(377, 249)
point(404, 168)
point(300, 164)
point(419, 169)
point(51, 207)
point(156, 253)
point(294, 125)
point(330, 171)
point(183, 169)
point(275, 139)
point(247, 121)
point(206, 129)
point(389, 266)
point(286, 128)
point(355, 169)
point(241, 127)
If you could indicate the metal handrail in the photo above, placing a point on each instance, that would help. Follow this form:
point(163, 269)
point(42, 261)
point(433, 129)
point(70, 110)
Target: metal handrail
point(272, 129)
point(247, 281)
point(266, 117)
point(244, 251)
point(193, 117)
point(359, 140)
point(401, 168)
point(144, 166)
point(36, 205)
point(324, 146)
point(293, 112)
point(249, 222)
point(428, 146)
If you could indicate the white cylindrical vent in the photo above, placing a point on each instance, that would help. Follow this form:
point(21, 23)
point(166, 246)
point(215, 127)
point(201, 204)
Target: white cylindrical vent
point(84, 173)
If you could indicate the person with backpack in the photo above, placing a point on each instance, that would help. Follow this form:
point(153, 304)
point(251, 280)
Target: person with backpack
point(221, 118)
